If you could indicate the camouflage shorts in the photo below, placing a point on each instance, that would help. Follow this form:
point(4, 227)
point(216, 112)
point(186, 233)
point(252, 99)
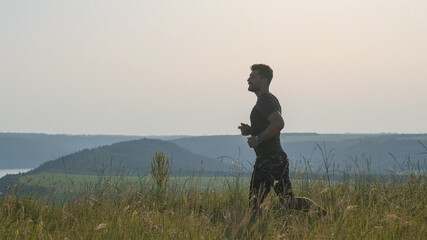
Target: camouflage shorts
point(270, 171)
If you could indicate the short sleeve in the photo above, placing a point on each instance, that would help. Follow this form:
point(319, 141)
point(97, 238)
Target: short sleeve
point(268, 105)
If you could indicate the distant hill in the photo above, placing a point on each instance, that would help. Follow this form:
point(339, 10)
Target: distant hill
point(19, 150)
point(132, 158)
point(383, 152)
point(29, 150)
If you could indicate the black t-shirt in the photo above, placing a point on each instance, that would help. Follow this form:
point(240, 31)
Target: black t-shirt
point(266, 104)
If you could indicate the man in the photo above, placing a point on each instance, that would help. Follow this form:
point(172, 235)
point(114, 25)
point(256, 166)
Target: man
point(271, 167)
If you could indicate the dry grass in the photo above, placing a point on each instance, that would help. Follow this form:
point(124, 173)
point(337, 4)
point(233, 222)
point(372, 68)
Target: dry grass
point(357, 210)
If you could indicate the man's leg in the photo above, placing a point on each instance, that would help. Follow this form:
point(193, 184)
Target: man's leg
point(261, 183)
point(305, 204)
point(283, 189)
point(282, 183)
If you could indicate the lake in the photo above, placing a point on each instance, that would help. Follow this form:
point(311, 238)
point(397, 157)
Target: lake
point(4, 172)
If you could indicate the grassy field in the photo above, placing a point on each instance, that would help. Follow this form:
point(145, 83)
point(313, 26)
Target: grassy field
point(161, 207)
point(62, 185)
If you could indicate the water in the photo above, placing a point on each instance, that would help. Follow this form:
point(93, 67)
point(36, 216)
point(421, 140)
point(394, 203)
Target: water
point(3, 172)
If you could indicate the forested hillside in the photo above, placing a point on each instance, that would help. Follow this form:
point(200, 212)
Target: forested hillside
point(132, 158)
point(376, 153)
point(383, 152)
point(29, 150)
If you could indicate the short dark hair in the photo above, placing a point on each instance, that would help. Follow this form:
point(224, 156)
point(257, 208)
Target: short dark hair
point(264, 70)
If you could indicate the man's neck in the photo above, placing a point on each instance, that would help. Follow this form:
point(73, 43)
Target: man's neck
point(261, 92)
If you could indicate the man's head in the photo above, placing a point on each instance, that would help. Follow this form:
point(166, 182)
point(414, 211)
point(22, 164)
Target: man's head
point(265, 71)
point(260, 78)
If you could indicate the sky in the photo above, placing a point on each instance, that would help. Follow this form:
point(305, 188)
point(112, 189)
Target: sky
point(156, 67)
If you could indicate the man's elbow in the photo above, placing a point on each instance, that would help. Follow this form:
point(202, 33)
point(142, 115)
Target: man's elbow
point(276, 121)
point(279, 125)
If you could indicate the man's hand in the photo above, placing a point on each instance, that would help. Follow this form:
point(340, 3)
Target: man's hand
point(276, 124)
point(252, 142)
point(245, 129)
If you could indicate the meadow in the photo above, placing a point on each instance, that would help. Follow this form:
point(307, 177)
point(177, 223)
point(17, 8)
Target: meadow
point(158, 206)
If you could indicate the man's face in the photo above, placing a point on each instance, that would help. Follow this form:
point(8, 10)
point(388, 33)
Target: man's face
point(255, 81)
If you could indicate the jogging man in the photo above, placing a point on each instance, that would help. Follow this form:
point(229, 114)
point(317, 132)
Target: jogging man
point(271, 167)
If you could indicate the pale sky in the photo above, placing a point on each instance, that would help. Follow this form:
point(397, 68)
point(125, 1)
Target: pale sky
point(180, 67)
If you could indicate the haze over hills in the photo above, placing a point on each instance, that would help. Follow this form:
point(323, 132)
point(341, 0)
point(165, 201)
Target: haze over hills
point(132, 158)
point(381, 153)
point(124, 159)
point(31, 150)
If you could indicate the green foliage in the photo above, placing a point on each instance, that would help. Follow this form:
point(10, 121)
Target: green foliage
point(160, 170)
point(160, 173)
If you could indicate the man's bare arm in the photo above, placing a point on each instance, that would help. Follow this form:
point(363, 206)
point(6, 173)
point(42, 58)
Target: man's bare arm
point(275, 126)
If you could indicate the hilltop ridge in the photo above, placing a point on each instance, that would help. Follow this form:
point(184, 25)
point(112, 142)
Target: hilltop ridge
point(131, 158)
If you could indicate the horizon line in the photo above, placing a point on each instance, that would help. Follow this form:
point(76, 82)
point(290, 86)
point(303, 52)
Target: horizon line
point(225, 134)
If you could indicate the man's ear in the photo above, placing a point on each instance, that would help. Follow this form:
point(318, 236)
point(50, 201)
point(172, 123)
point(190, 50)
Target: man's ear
point(265, 81)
